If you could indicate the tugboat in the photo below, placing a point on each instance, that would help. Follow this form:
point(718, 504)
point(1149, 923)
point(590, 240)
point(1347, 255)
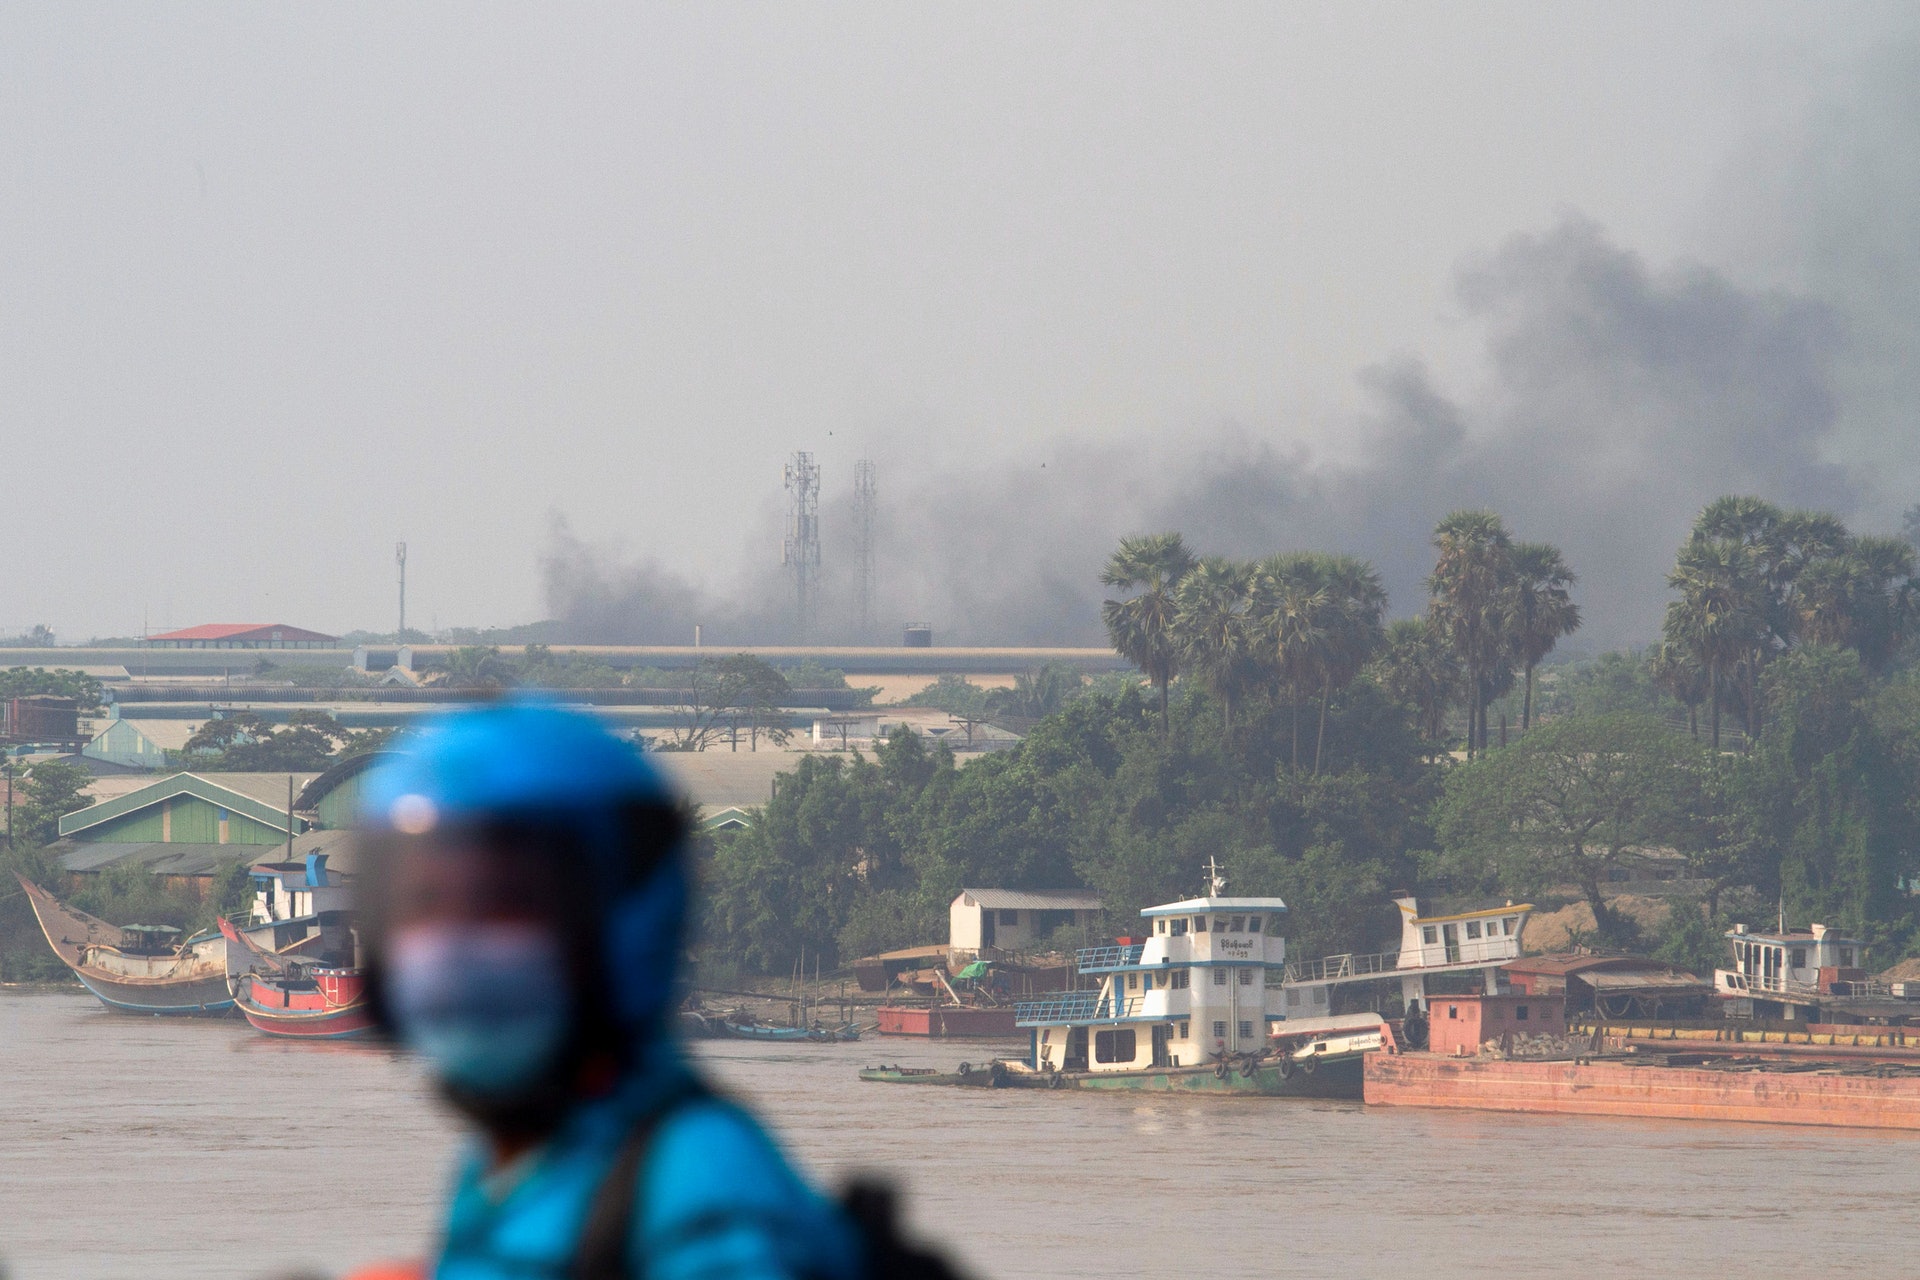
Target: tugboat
point(1200, 1004)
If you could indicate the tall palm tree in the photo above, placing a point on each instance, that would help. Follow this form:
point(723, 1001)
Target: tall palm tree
point(1211, 622)
point(1290, 615)
point(1676, 670)
point(1889, 598)
point(1720, 616)
point(1541, 610)
point(1418, 667)
point(1142, 628)
point(1356, 601)
point(1469, 588)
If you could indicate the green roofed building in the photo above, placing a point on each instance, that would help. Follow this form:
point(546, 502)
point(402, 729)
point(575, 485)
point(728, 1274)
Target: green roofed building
point(194, 808)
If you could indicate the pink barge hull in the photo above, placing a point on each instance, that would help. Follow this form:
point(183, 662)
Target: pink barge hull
point(1848, 1097)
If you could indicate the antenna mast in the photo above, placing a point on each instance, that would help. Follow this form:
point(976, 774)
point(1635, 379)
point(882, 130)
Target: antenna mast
point(400, 558)
point(801, 554)
point(866, 490)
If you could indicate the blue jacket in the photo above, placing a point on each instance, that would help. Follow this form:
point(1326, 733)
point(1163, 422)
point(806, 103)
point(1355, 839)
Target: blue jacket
point(716, 1200)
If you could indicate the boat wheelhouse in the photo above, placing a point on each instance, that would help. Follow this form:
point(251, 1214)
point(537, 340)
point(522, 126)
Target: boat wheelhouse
point(1795, 974)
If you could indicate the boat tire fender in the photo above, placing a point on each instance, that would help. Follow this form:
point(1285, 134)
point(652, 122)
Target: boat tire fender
point(1286, 1068)
point(966, 1068)
point(1248, 1067)
point(997, 1074)
point(1310, 1065)
point(1220, 1071)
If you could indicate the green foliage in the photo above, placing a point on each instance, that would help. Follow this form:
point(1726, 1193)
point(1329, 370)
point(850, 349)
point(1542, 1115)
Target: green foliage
point(49, 791)
point(246, 743)
point(541, 668)
point(1571, 803)
point(953, 694)
point(1691, 940)
point(20, 682)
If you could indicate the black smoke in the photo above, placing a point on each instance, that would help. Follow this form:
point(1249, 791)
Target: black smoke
point(1622, 399)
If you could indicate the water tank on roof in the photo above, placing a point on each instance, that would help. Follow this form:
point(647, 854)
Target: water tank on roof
point(918, 636)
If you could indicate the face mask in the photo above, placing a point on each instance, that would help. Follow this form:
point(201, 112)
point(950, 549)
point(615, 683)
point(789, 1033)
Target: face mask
point(486, 1005)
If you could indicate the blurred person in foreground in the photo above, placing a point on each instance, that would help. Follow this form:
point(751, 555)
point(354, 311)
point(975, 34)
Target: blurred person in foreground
point(524, 904)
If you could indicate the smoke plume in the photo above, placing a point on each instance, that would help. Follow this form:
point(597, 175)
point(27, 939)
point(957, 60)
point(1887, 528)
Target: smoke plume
point(1622, 399)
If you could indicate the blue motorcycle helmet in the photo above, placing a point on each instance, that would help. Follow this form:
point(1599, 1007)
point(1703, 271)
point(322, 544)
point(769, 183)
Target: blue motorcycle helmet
point(554, 791)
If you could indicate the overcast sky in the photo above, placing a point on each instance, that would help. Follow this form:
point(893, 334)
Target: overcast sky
point(281, 285)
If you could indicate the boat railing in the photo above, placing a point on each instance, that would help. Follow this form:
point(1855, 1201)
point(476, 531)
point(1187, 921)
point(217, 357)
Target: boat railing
point(1062, 1006)
point(1734, 983)
point(1103, 959)
point(1336, 968)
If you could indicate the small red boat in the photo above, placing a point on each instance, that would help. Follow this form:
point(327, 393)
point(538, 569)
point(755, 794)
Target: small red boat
point(298, 1001)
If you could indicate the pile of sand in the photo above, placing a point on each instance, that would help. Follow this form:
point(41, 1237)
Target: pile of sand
point(1553, 930)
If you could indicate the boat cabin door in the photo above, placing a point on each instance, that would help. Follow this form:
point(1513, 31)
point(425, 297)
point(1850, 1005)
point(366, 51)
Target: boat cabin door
point(1450, 934)
point(1160, 1045)
point(1076, 1059)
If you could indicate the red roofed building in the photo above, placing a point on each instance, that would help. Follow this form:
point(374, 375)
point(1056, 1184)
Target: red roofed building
point(243, 635)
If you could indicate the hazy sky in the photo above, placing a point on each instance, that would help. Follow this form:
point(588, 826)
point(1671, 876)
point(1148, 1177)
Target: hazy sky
point(283, 284)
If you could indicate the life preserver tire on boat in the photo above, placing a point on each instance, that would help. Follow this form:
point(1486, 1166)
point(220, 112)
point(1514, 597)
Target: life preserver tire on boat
point(1248, 1067)
point(1220, 1071)
point(1286, 1068)
point(966, 1068)
point(1310, 1065)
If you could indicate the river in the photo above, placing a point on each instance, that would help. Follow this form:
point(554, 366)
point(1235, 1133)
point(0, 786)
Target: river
point(138, 1147)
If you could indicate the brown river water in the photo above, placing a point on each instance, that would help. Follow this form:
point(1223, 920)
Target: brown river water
point(151, 1147)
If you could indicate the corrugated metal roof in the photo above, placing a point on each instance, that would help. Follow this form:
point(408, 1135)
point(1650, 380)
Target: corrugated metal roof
point(1564, 962)
point(162, 859)
point(242, 631)
point(1035, 900)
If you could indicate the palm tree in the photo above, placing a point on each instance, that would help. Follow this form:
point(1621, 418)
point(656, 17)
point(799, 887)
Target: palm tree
point(1720, 616)
point(1889, 605)
point(1417, 667)
point(1676, 670)
point(1142, 628)
point(1290, 616)
point(1211, 622)
point(1469, 587)
point(1541, 610)
point(1356, 602)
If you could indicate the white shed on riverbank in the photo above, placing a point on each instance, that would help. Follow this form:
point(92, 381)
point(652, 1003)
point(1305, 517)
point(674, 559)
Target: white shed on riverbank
point(988, 921)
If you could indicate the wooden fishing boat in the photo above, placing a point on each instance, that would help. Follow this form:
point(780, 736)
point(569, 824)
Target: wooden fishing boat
point(284, 997)
point(136, 968)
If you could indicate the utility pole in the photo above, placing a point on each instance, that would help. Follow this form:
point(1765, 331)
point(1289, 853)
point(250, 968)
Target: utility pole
point(400, 558)
point(801, 552)
point(866, 490)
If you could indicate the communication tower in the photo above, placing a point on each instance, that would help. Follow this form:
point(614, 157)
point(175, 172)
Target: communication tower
point(801, 555)
point(866, 491)
point(400, 558)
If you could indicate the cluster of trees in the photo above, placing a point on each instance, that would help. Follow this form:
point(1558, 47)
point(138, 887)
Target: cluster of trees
point(1280, 726)
point(1754, 582)
point(245, 742)
point(20, 682)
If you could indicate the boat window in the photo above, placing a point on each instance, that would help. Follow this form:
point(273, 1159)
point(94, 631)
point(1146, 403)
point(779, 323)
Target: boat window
point(1178, 928)
point(1519, 1013)
point(1799, 957)
point(1429, 935)
point(1219, 924)
point(1159, 926)
point(1319, 995)
point(1199, 924)
point(1219, 977)
point(1113, 1046)
point(1220, 1031)
point(1246, 1031)
point(1239, 925)
point(1183, 1031)
point(1180, 979)
point(1846, 957)
point(1293, 995)
point(1253, 924)
point(1453, 1011)
point(1133, 982)
point(1246, 977)
point(1473, 928)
